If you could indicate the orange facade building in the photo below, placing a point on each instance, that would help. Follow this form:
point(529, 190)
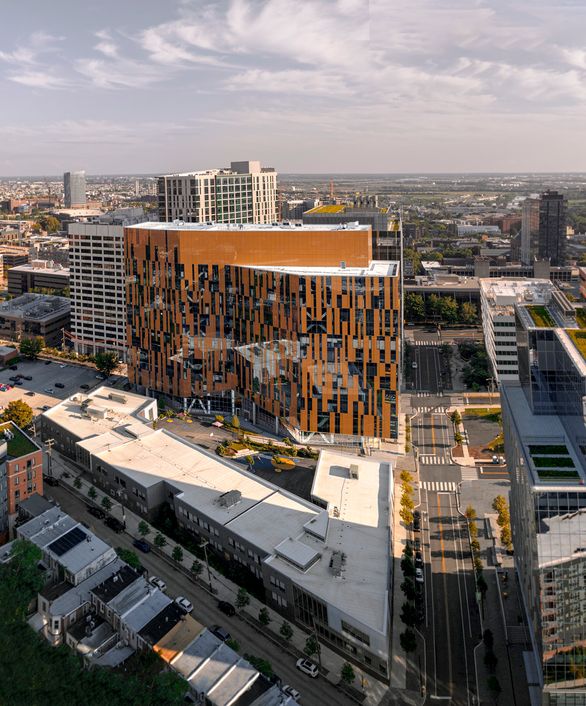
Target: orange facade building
point(291, 325)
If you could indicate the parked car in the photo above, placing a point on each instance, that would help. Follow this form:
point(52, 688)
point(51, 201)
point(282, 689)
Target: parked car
point(14, 367)
point(85, 386)
point(13, 378)
point(307, 667)
point(414, 364)
point(418, 559)
point(142, 544)
point(220, 633)
point(18, 382)
point(159, 583)
point(27, 377)
point(96, 511)
point(184, 604)
point(49, 390)
point(63, 365)
point(495, 459)
point(47, 362)
point(114, 524)
point(419, 575)
point(290, 691)
point(30, 393)
point(227, 608)
point(60, 385)
point(416, 524)
point(45, 407)
point(50, 480)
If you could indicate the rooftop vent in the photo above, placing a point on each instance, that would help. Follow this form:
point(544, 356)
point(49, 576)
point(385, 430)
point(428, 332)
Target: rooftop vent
point(337, 562)
point(231, 498)
point(354, 471)
point(117, 397)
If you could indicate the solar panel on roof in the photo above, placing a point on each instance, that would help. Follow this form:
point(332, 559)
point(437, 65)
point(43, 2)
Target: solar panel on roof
point(68, 541)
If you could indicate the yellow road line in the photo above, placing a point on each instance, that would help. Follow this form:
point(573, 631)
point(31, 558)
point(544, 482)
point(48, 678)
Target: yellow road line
point(432, 432)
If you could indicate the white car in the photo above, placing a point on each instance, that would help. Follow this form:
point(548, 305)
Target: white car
point(184, 604)
point(419, 575)
point(414, 364)
point(63, 365)
point(49, 390)
point(159, 583)
point(290, 691)
point(307, 667)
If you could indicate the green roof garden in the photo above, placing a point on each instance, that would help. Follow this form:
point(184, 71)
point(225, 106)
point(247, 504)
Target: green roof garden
point(541, 316)
point(20, 444)
point(579, 340)
point(581, 317)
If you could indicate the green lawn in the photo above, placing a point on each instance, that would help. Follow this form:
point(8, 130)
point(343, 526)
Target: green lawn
point(579, 338)
point(581, 317)
point(491, 414)
point(20, 445)
point(541, 316)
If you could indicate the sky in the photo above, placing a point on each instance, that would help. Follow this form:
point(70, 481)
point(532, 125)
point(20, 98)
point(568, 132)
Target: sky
point(153, 86)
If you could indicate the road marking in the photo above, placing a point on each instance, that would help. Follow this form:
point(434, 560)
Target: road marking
point(428, 459)
point(432, 433)
point(440, 486)
point(469, 473)
point(444, 577)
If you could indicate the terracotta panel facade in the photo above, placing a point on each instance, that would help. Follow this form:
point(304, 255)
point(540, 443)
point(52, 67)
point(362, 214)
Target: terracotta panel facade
point(299, 323)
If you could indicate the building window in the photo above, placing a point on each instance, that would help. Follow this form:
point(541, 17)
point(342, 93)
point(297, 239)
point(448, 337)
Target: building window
point(355, 633)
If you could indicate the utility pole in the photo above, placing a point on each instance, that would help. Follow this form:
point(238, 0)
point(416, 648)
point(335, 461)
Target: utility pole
point(204, 545)
point(50, 443)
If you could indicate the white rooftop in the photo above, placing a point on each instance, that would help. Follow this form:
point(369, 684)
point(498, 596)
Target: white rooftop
point(253, 227)
point(503, 293)
point(376, 268)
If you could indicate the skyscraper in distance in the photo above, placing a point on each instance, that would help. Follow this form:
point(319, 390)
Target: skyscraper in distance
point(543, 229)
point(244, 193)
point(74, 189)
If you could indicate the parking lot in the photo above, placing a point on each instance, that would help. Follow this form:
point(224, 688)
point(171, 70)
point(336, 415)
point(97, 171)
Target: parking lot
point(45, 376)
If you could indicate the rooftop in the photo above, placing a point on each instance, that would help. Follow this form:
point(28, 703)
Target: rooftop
point(376, 268)
point(167, 627)
point(35, 306)
point(502, 294)
point(246, 227)
point(115, 583)
point(42, 266)
point(18, 443)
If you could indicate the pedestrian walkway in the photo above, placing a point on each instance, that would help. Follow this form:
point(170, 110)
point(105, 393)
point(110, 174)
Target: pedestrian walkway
point(436, 410)
point(439, 486)
point(469, 473)
point(431, 459)
point(424, 343)
point(224, 589)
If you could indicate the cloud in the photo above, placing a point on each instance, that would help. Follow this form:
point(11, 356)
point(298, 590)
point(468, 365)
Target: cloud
point(38, 79)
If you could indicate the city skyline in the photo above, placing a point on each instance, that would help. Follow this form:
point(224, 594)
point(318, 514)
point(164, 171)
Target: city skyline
point(427, 87)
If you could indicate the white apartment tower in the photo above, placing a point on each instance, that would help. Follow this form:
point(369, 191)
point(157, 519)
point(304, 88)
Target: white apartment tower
point(244, 193)
point(97, 282)
point(497, 303)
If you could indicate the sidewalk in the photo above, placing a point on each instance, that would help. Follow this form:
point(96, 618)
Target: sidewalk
point(226, 590)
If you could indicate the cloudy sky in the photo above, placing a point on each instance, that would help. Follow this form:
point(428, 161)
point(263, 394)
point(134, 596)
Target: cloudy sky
point(143, 86)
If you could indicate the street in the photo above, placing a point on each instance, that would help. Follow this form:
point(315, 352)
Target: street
point(451, 627)
point(314, 691)
point(427, 373)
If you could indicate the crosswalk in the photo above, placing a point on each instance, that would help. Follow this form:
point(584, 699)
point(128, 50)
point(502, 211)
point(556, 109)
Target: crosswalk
point(469, 473)
point(430, 459)
point(439, 486)
point(424, 343)
point(426, 410)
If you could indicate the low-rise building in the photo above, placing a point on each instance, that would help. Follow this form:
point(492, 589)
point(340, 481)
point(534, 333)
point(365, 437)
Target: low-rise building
point(38, 275)
point(35, 315)
point(324, 564)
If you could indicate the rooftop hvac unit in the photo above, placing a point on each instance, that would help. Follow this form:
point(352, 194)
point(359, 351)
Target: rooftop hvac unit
point(117, 397)
point(337, 562)
point(354, 471)
point(230, 498)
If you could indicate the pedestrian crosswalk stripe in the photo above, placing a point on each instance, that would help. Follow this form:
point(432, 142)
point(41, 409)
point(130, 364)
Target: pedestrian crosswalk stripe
point(469, 473)
point(426, 343)
point(429, 459)
point(438, 410)
point(444, 486)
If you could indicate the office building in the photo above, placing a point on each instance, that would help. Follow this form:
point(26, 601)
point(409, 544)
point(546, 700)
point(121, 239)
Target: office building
point(545, 440)
point(292, 326)
point(12, 256)
point(543, 229)
point(35, 315)
point(244, 193)
point(498, 298)
point(74, 190)
point(97, 290)
point(41, 276)
point(323, 564)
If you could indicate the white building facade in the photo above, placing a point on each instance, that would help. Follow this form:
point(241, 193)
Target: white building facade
point(244, 193)
point(497, 303)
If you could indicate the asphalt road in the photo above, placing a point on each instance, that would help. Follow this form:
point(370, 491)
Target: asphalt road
point(451, 627)
point(427, 375)
point(313, 691)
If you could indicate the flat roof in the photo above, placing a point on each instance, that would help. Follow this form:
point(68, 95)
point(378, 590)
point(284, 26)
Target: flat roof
point(253, 227)
point(37, 307)
point(358, 527)
point(36, 269)
point(376, 268)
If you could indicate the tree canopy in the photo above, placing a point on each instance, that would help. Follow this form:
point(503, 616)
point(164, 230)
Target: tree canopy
point(106, 362)
point(18, 412)
point(31, 347)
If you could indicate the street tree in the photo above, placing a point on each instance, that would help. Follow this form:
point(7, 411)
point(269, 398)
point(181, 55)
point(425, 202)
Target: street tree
point(490, 661)
point(408, 641)
point(311, 646)
point(177, 554)
point(196, 568)
point(286, 631)
point(77, 483)
point(414, 307)
point(468, 313)
point(92, 493)
point(106, 503)
point(263, 616)
point(106, 362)
point(347, 674)
point(488, 639)
point(407, 566)
point(408, 588)
point(31, 347)
point(160, 540)
point(143, 528)
point(409, 614)
point(242, 598)
point(494, 685)
point(18, 412)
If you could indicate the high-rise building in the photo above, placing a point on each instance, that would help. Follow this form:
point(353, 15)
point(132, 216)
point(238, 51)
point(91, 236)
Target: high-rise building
point(543, 229)
point(545, 443)
point(98, 298)
point(498, 298)
point(74, 189)
point(244, 193)
point(286, 324)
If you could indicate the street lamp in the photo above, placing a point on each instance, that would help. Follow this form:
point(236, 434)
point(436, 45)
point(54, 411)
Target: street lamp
point(203, 545)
